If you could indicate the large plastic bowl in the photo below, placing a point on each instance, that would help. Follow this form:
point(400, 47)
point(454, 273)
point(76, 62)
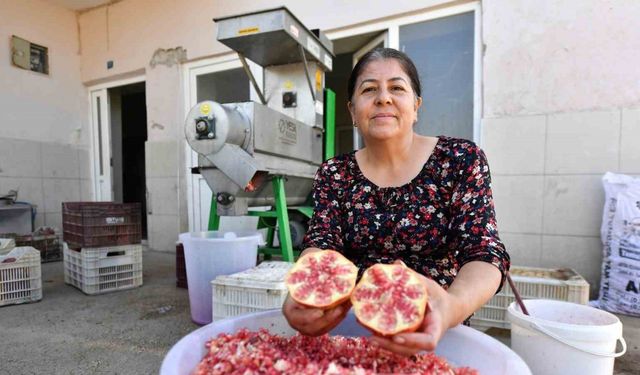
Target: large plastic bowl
point(461, 346)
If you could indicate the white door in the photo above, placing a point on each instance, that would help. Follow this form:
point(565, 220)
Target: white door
point(381, 40)
point(100, 125)
point(223, 81)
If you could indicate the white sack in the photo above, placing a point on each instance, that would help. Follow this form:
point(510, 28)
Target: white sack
point(620, 232)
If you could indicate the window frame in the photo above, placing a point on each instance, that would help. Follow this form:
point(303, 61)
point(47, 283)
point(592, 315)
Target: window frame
point(392, 27)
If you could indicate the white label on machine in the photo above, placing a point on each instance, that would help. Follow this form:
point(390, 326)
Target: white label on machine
point(114, 220)
point(288, 132)
point(328, 61)
point(319, 108)
point(294, 30)
point(313, 47)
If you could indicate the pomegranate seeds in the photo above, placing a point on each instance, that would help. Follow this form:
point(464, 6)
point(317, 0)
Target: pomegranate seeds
point(248, 353)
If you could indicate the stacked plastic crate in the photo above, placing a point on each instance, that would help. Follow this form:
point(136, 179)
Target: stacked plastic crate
point(20, 276)
point(102, 251)
point(46, 241)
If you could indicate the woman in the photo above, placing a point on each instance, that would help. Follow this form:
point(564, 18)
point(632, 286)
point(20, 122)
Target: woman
point(423, 200)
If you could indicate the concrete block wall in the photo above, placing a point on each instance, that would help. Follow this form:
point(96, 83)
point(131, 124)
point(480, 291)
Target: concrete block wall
point(164, 150)
point(560, 108)
point(546, 175)
point(45, 174)
point(163, 208)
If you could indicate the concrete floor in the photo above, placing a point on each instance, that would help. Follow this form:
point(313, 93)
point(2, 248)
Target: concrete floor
point(129, 332)
point(68, 332)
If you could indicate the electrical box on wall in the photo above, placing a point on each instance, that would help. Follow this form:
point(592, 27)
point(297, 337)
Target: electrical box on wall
point(29, 56)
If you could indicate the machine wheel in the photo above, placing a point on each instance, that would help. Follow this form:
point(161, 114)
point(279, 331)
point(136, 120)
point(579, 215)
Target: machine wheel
point(298, 230)
point(298, 227)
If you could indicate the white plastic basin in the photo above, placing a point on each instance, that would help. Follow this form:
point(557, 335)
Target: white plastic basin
point(461, 346)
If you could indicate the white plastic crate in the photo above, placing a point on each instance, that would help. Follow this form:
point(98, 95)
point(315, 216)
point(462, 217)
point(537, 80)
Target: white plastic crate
point(562, 284)
point(256, 289)
point(103, 269)
point(20, 276)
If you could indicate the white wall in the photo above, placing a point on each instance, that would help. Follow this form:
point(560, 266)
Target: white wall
point(551, 56)
point(38, 107)
point(561, 107)
point(131, 30)
point(44, 135)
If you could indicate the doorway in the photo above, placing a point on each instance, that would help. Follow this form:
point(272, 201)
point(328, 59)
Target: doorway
point(119, 132)
point(129, 134)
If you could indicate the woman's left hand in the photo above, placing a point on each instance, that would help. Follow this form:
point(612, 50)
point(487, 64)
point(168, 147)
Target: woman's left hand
point(440, 308)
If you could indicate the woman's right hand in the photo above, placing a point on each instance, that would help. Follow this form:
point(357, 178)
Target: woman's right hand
point(310, 321)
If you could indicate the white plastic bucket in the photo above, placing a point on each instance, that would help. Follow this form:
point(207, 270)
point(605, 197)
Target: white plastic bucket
point(565, 338)
point(211, 254)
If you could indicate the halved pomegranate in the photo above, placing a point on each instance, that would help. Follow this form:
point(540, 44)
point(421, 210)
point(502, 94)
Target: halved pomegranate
point(390, 299)
point(322, 279)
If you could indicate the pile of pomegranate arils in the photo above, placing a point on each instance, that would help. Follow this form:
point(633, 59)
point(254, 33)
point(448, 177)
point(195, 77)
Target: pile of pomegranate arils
point(248, 352)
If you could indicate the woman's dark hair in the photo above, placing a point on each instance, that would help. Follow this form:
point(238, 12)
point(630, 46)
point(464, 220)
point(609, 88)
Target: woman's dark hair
point(381, 54)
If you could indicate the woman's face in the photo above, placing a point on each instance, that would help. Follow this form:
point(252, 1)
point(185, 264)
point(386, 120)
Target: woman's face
point(384, 105)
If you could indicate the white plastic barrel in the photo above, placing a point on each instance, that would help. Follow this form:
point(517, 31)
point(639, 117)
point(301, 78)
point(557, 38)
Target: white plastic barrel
point(565, 338)
point(208, 255)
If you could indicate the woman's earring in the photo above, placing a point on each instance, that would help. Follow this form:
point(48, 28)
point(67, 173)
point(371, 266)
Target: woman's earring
point(355, 125)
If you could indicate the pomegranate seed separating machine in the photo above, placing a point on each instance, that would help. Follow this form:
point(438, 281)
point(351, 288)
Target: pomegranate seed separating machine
point(266, 153)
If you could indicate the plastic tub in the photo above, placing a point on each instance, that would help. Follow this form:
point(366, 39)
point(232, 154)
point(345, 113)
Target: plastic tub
point(565, 338)
point(211, 254)
point(461, 346)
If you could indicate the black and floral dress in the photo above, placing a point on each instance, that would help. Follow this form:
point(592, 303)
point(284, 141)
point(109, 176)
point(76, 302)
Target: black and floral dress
point(435, 224)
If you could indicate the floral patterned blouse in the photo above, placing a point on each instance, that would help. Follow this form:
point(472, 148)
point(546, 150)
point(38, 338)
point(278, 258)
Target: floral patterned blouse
point(435, 224)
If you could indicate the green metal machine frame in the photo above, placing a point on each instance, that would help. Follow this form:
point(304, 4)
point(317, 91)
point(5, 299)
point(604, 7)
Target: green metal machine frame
point(279, 215)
